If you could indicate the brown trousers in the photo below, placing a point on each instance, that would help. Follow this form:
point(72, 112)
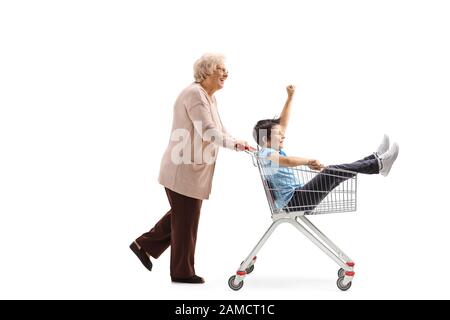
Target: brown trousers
point(178, 229)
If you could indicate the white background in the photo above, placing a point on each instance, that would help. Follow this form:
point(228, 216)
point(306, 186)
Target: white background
point(86, 96)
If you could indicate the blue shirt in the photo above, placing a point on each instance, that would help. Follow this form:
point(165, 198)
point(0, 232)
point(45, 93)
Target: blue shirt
point(282, 180)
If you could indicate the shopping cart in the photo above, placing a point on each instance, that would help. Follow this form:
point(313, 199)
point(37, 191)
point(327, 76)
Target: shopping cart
point(327, 191)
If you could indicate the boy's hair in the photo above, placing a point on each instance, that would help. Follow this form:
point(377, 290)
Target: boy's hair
point(263, 130)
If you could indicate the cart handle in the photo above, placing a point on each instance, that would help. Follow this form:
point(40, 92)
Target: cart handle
point(253, 154)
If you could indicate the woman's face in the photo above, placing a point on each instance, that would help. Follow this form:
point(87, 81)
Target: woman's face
point(217, 79)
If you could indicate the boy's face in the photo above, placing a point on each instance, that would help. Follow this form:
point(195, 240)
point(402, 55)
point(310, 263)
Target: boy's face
point(277, 138)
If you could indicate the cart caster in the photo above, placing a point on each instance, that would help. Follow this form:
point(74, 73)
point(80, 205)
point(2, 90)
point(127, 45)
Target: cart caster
point(341, 272)
point(341, 286)
point(234, 287)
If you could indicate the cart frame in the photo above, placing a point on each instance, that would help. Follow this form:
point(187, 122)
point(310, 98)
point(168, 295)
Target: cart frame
point(298, 219)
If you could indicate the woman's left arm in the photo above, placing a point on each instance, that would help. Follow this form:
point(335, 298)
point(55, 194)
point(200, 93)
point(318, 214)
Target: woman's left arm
point(239, 145)
point(199, 112)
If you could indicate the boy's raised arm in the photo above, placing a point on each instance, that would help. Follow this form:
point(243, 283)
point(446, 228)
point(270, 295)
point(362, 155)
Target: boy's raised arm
point(286, 113)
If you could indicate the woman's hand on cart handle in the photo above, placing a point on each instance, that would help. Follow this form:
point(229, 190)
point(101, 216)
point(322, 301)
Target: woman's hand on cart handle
point(243, 146)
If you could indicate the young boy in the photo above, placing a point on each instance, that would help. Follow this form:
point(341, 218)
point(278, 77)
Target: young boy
point(287, 190)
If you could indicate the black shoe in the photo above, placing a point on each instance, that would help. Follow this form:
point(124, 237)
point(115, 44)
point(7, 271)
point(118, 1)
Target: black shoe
point(193, 279)
point(142, 256)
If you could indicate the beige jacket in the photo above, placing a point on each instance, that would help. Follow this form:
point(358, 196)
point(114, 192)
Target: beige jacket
point(187, 166)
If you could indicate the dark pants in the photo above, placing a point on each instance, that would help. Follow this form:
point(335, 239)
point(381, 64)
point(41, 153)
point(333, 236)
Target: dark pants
point(178, 229)
point(313, 192)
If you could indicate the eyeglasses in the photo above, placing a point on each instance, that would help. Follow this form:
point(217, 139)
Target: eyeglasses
point(222, 70)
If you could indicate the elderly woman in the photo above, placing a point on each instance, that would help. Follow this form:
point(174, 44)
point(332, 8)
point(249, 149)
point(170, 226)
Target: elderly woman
point(187, 169)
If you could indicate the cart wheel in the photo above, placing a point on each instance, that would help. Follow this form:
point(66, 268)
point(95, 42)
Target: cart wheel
point(341, 272)
point(234, 287)
point(341, 286)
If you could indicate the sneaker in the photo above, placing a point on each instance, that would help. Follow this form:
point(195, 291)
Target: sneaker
point(387, 159)
point(383, 147)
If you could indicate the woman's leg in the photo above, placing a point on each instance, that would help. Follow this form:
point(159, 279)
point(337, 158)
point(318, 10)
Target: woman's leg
point(312, 193)
point(178, 229)
point(157, 240)
point(184, 225)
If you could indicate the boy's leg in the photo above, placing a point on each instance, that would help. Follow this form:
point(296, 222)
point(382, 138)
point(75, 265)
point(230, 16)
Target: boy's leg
point(309, 196)
point(368, 165)
point(372, 156)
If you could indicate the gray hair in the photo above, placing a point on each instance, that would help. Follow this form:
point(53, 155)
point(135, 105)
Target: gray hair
point(206, 65)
